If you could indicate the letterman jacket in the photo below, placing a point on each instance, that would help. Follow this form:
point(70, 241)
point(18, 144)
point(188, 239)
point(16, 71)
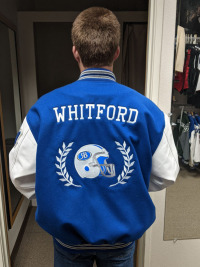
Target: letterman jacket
point(90, 152)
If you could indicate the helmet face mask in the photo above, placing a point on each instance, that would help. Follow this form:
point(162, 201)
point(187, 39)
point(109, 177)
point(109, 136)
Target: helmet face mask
point(106, 170)
point(109, 169)
point(90, 162)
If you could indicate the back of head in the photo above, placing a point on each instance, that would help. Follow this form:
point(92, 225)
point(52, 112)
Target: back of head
point(96, 36)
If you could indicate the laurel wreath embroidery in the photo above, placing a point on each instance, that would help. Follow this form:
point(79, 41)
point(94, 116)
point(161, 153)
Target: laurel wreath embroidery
point(61, 166)
point(127, 163)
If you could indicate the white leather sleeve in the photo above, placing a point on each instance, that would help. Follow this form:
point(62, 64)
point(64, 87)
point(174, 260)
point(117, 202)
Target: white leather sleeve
point(165, 166)
point(22, 162)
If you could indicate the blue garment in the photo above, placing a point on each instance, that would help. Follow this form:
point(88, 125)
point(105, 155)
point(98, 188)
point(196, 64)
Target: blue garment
point(198, 121)
point(116, 258)
point(97, 148)
point(191, 127)
point(197, 118)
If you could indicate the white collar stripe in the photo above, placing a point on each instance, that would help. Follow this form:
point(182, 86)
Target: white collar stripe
point(108, 72)
point(97, 74)
point(96, 77)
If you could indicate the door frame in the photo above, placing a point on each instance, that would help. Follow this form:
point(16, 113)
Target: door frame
point(4, 242)
point(159, 82)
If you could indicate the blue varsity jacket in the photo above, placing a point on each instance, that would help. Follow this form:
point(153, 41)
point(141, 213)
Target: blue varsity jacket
point(90, 152)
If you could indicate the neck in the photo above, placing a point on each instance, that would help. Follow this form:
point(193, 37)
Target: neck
point(82, 68)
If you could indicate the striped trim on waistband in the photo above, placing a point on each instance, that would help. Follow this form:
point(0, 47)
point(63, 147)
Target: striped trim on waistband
point(96, 247)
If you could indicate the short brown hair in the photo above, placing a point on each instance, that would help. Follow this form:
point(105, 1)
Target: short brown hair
point(96, 36)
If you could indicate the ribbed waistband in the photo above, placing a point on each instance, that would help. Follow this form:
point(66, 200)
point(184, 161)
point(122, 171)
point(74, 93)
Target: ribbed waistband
point(94, 247)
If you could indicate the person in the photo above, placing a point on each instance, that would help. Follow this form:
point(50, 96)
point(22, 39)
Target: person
point(91, 151)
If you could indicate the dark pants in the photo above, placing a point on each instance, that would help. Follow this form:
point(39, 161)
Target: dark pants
point(123, 258)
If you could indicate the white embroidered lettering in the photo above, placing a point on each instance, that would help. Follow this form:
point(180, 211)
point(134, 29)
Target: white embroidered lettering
point(60, 116)
point(113, 112)
point(135, 117)
point(99, 110)
point(73, 112)
point(85, 111)
point(122, 114)
point(90, 106)
point(81, 106)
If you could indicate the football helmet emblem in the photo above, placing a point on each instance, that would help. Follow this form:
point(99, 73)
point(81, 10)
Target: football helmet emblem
point(90, 162)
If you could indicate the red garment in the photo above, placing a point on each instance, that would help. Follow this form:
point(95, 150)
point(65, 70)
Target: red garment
point(178, 81)
point(186, 70)
point(181, 78)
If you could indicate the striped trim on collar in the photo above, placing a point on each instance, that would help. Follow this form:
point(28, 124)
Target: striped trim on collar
point(95, 247)
point(97, 73)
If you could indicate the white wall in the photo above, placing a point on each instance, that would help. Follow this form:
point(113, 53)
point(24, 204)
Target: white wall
point(182, 253)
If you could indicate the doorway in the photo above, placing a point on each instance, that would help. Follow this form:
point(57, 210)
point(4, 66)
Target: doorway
point(53, 64)
point(56, 67)
point(161, 23)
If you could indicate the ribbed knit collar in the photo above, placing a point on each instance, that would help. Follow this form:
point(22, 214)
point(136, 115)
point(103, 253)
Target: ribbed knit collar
point(97, 73)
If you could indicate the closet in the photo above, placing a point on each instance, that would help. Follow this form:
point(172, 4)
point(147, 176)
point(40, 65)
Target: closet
point(187, 102)
point(182, 200)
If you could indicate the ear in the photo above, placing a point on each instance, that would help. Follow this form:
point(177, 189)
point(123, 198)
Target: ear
point(116, 53)
point(76, 54)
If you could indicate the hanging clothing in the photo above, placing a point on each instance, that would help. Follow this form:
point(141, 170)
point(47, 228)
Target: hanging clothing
point(184, 138)
point(180, 49)
point(188, 82)
point(176, 134)
point(181, 137)
point(186, 70)
point(178, 81)
point(187, 138)
point(198, 81)
point(193, 72)
point(196, 155)
point(191, 140)
point(181, 81)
